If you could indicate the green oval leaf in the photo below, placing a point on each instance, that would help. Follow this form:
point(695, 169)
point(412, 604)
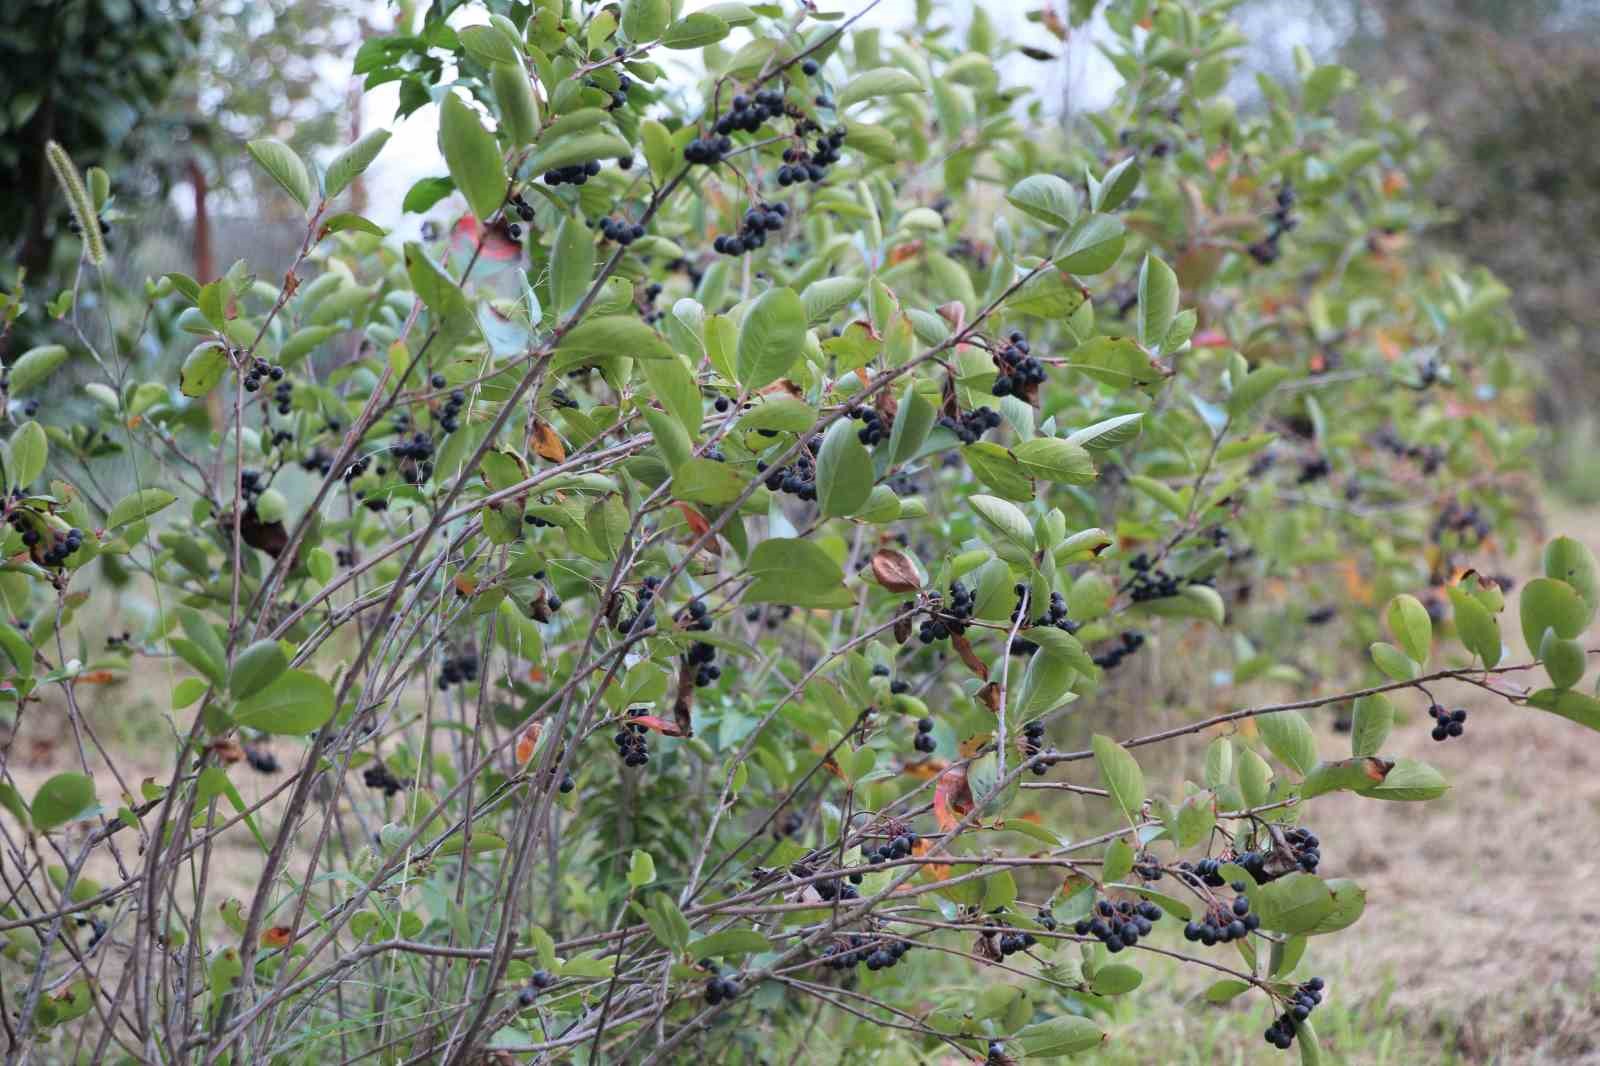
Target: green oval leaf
point(353, 161)
point(1409, 622)
point(881, 81)
point(34, 366)
point(61, 799)
point(297, 702)
point(472, 155)
point(844, 471)
point(1047, 198)
point(770, 338)
point(286, 168)
point(1121, 774)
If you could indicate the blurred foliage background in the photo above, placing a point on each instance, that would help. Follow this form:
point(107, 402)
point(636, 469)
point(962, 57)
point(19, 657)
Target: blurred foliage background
point(162, 93)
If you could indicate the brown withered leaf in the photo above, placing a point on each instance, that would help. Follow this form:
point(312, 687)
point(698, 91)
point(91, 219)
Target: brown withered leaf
point(888, 407)
point(952, 797)
point(963, 648)
point(902, 629)
point(989, 696)
point(948, 404)
point(683, 705)
point(547, 442)
point(895, 571)
point(270, 537)
point(955, 313)
point(228, 751)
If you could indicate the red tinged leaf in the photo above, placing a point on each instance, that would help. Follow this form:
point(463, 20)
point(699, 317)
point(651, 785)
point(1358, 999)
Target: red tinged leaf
point(277, 937)
point(901, 252)
point(498, 247)
point(963, 648)
point(1210, 338)
point(952, 797)
point(656, 724)
point(895, 571)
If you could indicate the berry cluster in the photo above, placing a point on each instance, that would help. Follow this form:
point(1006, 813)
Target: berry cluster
point(261, 760)
point(1282, 219)
point(1304, 845)
point(61, 546)
point(925, 742)
point(538, 982)
point(962, 602)
point(1033, 744)
point(644, 618)
point(58, 547)
point(1313, 470)
point(620, 230)
point(878, 954)
point(651, 313)
point(1447, 724)
point(283, 394)
point(448, 417)
point(801, 165)
point(1280, 1034)
point(1150, 582)
point(619, 98)
point(524, 209)
point(380, 776)
point(1120, 925)
point(872, 430)
point(1054, 615)
point(758, 221)
point(721, 989)
point(1110, 660)
point(899, 846)
point(972, 425)
point(1225, 925)
point(702, 657)
point(1018, 370)
point(357, 468)
point(577, 174)
point(797, 480)
point(832, 889)
point(1014, 940)
point(417, 449)
point(707, 151)
point(773, 617)
point(631, 745)
point(458, 670)
point(1467, 522)
point(748, 114)
point(1431, 456)
point(896, 687)
point(260, 368)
